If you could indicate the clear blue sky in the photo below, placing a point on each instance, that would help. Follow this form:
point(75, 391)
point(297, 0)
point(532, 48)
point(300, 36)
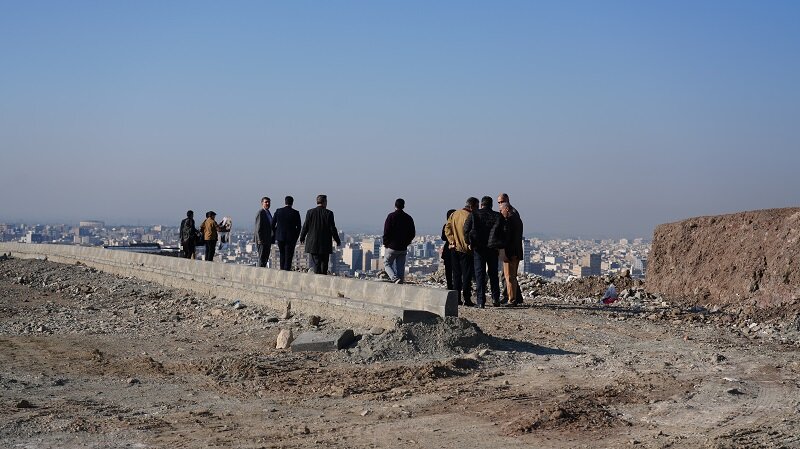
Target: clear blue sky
point(598, 118)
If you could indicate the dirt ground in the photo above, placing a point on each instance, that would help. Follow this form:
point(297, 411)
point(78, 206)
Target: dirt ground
point(93, 360)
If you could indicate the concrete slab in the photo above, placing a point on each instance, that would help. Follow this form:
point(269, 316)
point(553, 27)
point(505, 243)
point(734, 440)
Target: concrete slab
point(323, 341)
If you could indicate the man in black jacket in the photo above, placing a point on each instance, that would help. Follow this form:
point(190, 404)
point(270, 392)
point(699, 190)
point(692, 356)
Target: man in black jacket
point(286, 228)
point(320, 228)
point(263, 236)
point(188, 235)
point(483, 232)
point(398, 232)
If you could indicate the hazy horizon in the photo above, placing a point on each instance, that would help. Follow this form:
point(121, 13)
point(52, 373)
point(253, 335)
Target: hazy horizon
point(598, 118)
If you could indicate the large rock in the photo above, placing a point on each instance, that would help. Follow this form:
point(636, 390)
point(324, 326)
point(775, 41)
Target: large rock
point(729, 258)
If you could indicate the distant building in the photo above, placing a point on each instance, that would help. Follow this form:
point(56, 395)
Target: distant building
point(371, 251)
point(32, 237)
point(91, 224)
point(526, 263)
point(352, 256)
point(593, 262)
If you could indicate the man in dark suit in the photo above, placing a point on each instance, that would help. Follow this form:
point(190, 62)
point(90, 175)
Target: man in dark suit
point(320, 228)
point(286, 228)
point(263, 232)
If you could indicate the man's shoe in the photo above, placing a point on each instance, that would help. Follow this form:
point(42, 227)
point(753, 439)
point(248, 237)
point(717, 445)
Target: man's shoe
point(481, 306)
point(496, 303)
point(398, 281)
point(469, 303)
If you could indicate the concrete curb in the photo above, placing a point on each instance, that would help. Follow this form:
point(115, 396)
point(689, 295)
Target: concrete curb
point(352, 301)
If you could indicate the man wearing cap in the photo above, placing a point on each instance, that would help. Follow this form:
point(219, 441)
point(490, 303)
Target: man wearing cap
point(210, 228)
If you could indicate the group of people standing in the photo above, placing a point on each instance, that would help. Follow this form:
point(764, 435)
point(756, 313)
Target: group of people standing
point(208, 234)
point(476, 239)
point(317, 233)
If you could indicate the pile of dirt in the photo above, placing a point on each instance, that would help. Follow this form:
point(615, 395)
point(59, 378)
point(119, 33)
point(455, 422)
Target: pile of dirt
point(586, 287)
point(437, 338)
point(729, 259)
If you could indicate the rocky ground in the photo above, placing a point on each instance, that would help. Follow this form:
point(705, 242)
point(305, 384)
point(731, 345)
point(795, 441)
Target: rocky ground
point(89, 359)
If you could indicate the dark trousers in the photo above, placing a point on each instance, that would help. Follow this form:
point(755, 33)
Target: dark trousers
point(486, 259)
point(286, 249)
point(447, 258)
point(463, 271)
point(263, 254)
point(189, 248)
point(319, 263)
point(211, 247)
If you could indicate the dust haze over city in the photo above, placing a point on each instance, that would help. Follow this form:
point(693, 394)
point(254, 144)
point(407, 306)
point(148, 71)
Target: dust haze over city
point(599, 119)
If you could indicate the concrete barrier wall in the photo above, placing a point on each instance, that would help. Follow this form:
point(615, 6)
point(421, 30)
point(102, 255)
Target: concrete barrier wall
point(353, 301)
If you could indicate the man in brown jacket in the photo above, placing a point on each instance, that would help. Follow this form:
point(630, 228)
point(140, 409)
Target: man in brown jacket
point(463, 265)
point(210, 230)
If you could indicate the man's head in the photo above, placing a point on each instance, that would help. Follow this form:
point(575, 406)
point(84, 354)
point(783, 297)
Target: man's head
point(399, 204)
point(472, 203)
point(502, 198)
point(211, 214)
point(486, 201)
point(505, 209)
point(322, 200)
point(288, 200)
point(450, 212)
point(189, 214)
point(265, 201)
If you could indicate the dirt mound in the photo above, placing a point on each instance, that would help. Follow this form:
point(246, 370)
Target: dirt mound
point(434, 339)
point(587, 287)
point(743, 258)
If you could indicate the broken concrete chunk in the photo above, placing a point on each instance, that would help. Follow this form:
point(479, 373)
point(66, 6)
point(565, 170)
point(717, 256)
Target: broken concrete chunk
point(323, 341)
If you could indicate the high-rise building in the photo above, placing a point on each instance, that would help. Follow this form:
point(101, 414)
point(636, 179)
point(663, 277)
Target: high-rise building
point(592, 261)
point(352, 256)
point(371, 251)
point(527, 264)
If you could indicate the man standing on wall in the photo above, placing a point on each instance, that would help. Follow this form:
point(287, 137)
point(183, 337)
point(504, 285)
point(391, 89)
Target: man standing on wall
point(286, 227)
point(320, 228)
point(398, 232)
point(263, 232)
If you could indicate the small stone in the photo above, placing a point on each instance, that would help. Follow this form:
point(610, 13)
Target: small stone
point(734, 391)
point(217, 312)
point(132, 381)
point(484, 352)
point(24, 404)
point(285, 338)
point(365, 413)
point(313, 320)
point(287, 313)
point(272, 319)
point(237, 305)
point(306, 430)
point(377, 330)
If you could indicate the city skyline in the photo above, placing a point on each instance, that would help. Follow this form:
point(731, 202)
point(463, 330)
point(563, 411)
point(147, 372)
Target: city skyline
point(600, 120)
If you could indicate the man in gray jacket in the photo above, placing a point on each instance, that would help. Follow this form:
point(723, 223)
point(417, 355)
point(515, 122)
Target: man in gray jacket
point(320, 228)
